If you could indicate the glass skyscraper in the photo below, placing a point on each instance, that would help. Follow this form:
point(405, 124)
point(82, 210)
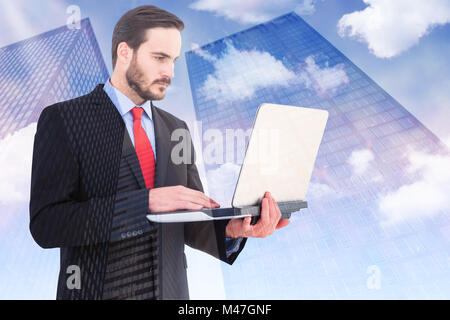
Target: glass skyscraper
point(54, 66)
point(356, 239)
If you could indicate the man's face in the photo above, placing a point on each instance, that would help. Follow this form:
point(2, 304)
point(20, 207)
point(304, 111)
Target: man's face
point(152, 64)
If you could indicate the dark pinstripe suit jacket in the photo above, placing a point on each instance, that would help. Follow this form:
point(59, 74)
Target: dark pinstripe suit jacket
point(88, 198)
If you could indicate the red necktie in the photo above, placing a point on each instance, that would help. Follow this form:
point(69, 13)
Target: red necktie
point(143, 148)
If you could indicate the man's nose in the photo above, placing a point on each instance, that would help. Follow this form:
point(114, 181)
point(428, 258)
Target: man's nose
point(168, 71)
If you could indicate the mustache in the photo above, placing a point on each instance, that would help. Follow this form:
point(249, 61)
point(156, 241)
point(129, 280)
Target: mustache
point(163, 80)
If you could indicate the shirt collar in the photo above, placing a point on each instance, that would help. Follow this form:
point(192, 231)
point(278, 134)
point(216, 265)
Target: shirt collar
point(122, 102)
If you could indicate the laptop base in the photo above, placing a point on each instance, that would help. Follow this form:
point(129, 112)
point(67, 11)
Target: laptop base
point(286, 209)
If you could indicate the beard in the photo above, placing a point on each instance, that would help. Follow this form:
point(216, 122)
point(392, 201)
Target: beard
point(136, 80)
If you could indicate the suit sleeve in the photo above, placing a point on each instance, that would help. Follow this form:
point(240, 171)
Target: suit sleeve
point(207, 236)
point(60, 216)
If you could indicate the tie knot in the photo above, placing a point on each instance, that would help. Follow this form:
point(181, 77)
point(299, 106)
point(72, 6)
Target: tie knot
point(137, 113)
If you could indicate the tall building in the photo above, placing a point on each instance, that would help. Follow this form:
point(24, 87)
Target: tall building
point(53, 66)
point(356, 239)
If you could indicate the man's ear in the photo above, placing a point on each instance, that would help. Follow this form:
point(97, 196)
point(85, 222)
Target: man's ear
point(124, 54)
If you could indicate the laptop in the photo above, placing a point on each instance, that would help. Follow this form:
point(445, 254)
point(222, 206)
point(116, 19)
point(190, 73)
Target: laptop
point(279, 158)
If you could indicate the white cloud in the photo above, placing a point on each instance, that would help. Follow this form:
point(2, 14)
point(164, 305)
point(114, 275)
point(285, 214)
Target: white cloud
point(253, 11)
point(222, 182)
point(323, 81)
point(202, 53)
point(427, 196)
point(392, 27)
point(238, 74)
point(317, 190)
point(15, 161)
point(360, 160)
point(15, 175)
point(306, 7)
point(29, 272)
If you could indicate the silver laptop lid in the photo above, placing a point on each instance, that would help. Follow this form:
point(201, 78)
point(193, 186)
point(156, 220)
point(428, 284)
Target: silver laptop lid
point(280, 154)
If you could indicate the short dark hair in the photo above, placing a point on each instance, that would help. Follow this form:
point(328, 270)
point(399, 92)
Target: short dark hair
point(132, 26)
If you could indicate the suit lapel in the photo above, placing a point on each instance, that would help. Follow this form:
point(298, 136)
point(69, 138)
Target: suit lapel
point(162, 138)
point(100, 97)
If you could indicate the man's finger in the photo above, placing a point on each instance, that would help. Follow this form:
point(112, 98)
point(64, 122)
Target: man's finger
point(277, 207)
point(273, 216)
point(187, 205)
point(282, 223)
point(260, 228)
point(265, 211)
point(246, 226)
point(198, 201)
point(201, 198)
point(197, 197)
point(276, 211)
point(199, 194)
point(273, 211)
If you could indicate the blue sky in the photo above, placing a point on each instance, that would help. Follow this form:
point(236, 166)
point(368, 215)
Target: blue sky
point(417, 77)
point(411, 65)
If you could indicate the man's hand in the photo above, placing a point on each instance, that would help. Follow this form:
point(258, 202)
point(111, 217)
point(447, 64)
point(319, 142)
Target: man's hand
point(269, 221)
point(168, 199)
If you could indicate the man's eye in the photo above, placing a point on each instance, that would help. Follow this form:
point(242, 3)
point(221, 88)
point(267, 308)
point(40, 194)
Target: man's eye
point(160, 58)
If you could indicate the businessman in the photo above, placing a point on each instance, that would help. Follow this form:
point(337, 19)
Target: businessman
point(102, 162)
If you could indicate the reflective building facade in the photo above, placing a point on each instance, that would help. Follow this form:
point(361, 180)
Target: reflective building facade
point(54, 66)
point(365, 234)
